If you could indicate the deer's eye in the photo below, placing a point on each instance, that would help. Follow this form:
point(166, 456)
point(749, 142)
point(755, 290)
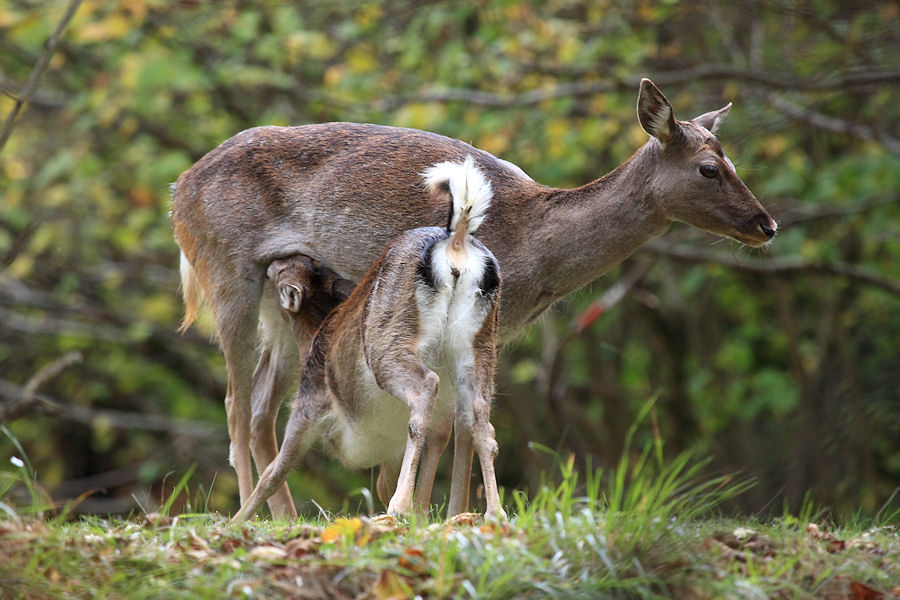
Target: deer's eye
point(709, 171)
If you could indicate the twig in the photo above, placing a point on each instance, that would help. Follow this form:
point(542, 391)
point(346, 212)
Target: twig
point(48, 372)
point(37, 72)
point(20, 241)
point(871, 203)
point(607, 300)
point(18, 404)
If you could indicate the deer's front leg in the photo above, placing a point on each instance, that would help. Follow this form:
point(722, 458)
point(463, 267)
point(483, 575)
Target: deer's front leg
point(415, 384)
point(299, 435)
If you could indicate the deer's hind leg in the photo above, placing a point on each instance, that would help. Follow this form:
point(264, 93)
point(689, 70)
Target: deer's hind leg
point(235, 305)
point(275, 373)
point(474, 379)
point(436, 439)
point(408, 379)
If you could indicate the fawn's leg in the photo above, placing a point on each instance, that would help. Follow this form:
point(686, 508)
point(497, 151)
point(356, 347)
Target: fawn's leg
point(486, 446)
point(409, 380)
point(299, 435)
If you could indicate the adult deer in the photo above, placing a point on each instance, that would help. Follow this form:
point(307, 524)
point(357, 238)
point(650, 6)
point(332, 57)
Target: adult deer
point(369, 383)
point(338, 192)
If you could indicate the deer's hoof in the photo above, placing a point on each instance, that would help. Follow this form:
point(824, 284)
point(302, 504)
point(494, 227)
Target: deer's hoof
point(291, 297)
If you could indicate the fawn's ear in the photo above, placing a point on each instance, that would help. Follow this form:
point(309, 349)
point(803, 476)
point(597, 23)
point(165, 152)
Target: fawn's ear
point(712, 120)
point(655, 113)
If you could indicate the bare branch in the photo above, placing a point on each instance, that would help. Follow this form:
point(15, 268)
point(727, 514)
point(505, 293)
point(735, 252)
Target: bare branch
point(556, 381)
point(665, 78)
point(20, 241)
point(116, 419)
point(795, 217)
point(612, 296)
point(774, 265)
point(830, 123)
point(37, 72)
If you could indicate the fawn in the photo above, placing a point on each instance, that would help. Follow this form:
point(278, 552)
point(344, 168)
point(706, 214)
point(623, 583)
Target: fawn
point(369, 383)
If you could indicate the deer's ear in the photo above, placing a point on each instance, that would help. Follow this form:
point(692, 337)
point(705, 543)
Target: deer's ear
point(655, 112)
point(712, 120)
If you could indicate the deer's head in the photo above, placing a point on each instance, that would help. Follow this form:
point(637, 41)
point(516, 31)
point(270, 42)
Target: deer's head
point(692, 180)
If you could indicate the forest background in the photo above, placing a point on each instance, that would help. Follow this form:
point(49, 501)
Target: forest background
point(781, 364)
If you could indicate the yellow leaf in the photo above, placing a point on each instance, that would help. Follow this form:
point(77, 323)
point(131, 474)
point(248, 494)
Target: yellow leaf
point(334, 75)
point(361, 59)
point(340, 528)
point(369, 15)
point(112, 27)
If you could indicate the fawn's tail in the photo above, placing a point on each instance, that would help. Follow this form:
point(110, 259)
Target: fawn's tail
point(471, 194)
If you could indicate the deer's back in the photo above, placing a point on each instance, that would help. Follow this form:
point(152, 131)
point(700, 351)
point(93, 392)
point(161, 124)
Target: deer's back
point(270, 192)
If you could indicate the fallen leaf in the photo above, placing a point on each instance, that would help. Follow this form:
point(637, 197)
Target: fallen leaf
point(267, 553)
point(340, 528)
point(834, 544)
point(386, 520)
point(156, 519)
point(743, 538)
point(413, 560)
point(299, 547)
point(494, 528)
point(390, 586)
point(467, 519)
point(861, 591)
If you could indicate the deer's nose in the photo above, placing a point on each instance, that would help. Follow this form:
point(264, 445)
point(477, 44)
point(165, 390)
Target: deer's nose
point(768, 226)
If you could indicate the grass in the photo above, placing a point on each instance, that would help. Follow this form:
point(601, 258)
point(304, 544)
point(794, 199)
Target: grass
point(644, 530)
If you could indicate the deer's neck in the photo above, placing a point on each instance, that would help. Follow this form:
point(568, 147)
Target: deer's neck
point(579, 235)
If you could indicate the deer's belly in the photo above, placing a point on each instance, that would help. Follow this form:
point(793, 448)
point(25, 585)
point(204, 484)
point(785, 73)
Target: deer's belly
point(378, 432)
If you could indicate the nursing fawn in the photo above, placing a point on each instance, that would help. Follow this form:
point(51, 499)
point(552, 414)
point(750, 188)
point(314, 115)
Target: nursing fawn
point(423, 318)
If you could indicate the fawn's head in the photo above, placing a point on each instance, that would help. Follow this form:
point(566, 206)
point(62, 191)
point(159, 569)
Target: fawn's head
point(693, 181)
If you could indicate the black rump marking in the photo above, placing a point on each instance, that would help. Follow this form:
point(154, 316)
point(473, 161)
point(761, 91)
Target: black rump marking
point(424, 268)
point(490, 279)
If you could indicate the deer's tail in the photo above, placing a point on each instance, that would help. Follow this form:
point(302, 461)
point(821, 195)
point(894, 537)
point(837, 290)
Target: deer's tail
point(191, 291)
point(471, 194)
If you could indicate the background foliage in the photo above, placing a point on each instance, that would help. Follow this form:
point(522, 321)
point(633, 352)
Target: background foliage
point(781, 364)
